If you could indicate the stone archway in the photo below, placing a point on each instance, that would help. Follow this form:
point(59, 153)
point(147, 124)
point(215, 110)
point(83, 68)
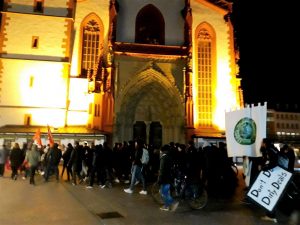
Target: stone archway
point(150, 96)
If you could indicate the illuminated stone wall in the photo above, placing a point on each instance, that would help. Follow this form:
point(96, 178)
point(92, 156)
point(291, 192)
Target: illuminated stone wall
point(150, 109)
point(35, 77)
point(79, 98)
point(44, 81)
point(51, 33)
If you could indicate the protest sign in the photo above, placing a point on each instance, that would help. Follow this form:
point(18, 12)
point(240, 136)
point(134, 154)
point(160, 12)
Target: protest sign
point(269, 187)
point(245, 129)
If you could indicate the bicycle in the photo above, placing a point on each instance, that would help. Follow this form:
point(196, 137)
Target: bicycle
point(195, 194)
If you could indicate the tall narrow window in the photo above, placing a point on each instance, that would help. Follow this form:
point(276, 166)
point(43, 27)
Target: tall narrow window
point(31, 81)
point(97, 110)
point(38, 6)
point(205, 77)
point(27, 119)
point(90, 47)
point(150, 26)
point(35, 42)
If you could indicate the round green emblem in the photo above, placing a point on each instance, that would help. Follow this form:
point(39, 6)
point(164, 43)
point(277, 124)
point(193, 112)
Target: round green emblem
point(245, 131)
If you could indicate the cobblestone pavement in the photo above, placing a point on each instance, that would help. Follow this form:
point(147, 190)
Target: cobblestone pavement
point(60, 203)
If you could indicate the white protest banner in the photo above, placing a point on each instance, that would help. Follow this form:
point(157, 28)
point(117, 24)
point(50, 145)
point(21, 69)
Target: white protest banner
point(269, 187)
point(245, 129)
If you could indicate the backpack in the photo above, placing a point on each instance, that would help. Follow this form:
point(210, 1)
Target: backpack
point(145, 157)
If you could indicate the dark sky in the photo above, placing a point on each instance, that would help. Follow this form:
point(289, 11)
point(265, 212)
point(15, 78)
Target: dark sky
point(266, 36)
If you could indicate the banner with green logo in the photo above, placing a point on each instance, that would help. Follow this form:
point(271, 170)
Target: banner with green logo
point(245, 129)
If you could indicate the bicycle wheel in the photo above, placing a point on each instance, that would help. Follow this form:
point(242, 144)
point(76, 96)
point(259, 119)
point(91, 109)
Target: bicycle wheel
point(155, 193)
point(199, 199)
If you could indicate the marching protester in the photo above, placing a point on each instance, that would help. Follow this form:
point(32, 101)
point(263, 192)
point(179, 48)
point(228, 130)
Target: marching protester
point(165, 179)
point(4, 153)
point(95, 166)
point(16, 160)
point(270, 160)
point(66, 158)
point(52, 161)
point(33, 157)
point(136, 170)
point(107, 166)
point(75, 163)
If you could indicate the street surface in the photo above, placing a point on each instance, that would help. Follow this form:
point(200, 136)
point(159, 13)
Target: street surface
point(60, 203)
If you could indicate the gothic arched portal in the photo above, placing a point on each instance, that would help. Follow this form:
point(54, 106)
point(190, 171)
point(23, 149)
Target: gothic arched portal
point(150, 98)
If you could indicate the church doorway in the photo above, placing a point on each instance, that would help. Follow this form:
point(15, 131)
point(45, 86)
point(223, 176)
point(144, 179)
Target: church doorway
point(139, 131)
point(149, 132)
point(155, 134)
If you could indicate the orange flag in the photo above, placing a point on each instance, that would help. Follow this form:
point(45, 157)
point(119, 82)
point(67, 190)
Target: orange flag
point(37, 137)
point(50, 137)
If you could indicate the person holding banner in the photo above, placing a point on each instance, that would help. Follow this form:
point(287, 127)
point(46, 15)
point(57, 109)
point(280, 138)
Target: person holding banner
point(270, 160)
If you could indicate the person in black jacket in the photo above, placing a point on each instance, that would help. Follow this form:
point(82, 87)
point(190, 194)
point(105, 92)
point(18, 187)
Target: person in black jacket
point(269, 154)
point(16, 160)
point(136, 170)
point(165, 179)
point(66, 157)
point(53, 159)
point(75, 163)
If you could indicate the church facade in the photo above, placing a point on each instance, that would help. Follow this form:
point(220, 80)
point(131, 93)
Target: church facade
point(158, 70)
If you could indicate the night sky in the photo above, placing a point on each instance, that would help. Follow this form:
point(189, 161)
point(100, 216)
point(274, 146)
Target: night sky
point(265, 32)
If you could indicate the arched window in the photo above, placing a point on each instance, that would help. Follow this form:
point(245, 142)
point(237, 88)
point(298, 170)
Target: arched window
point(150, 26)
point(91, 43)
point(205, 44)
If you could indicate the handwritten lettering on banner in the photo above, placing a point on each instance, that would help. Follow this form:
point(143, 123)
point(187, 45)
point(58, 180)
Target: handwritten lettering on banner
point(269, 186)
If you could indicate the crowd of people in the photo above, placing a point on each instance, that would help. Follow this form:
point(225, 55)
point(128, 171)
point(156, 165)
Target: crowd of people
point(103, 166)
